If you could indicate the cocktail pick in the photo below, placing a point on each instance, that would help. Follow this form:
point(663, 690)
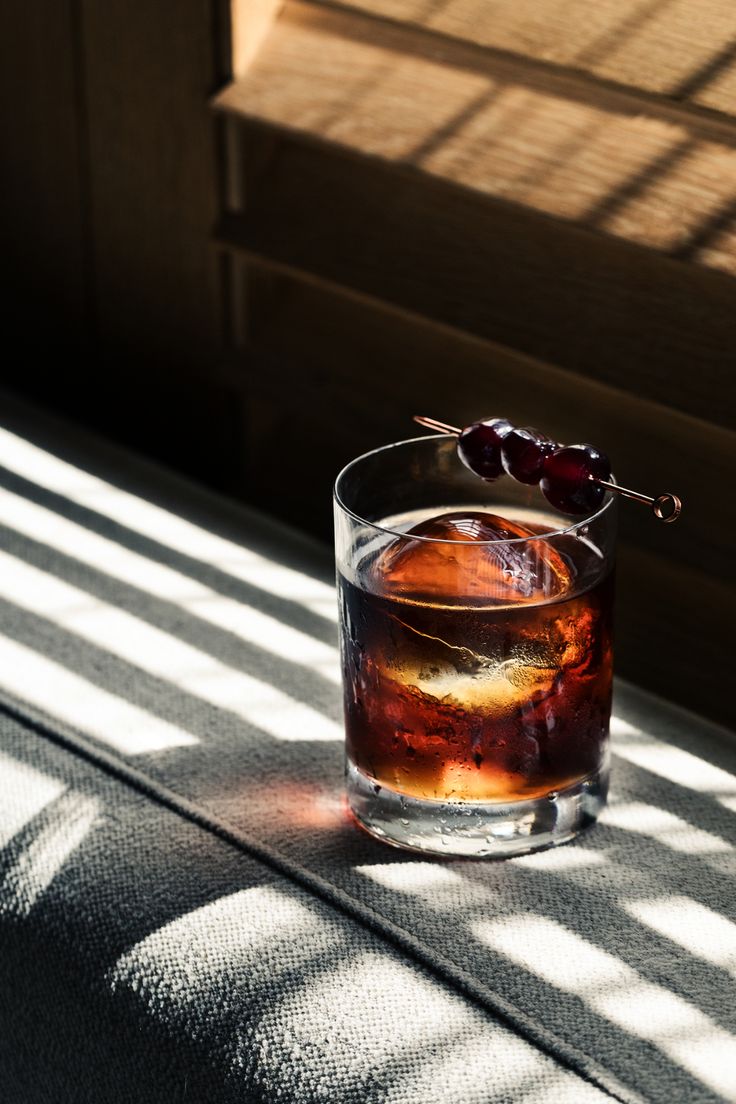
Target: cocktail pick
point(665, 507)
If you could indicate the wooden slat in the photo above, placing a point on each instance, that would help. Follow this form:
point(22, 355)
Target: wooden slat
point(648, 173)
point(606, 309)
point(680, 48)
point(331, 377)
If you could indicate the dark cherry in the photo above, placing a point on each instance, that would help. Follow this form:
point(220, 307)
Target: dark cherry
point(479, 446)
point(523, 453)
point(566, 481)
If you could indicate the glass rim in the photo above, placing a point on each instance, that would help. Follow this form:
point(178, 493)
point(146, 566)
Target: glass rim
point(568, 530)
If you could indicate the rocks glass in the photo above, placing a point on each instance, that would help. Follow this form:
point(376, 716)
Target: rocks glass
point(476, 651)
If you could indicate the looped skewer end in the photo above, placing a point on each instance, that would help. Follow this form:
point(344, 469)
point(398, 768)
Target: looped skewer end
point(667, 507)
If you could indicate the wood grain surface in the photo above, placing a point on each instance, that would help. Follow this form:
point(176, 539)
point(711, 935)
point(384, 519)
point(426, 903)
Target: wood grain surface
point(651, 173)
point(685, 49)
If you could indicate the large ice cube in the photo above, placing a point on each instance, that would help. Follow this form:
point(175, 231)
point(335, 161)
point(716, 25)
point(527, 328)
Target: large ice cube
point(475, 556)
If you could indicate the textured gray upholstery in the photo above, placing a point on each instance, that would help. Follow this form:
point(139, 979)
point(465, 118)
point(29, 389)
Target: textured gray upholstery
point(186, 912)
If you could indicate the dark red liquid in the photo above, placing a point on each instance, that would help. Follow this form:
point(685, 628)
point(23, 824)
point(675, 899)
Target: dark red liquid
point(484, 701)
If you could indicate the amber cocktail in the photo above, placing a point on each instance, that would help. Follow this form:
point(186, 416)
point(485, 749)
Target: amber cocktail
point(476, 646)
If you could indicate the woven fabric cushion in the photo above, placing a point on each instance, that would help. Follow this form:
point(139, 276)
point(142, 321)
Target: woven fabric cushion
point(186, 912)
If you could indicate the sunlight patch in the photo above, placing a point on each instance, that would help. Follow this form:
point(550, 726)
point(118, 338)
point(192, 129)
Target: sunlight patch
point(560, 858)
point(612, 989)
point(435, 885)
point(124, 635)
point(41, 860)
point(57, 691)
point(134, 569)
point(699, 930)
point(26, 791)
point(410, 875)
point(405, 1011)
point(260, 928)
point(665, 827)
point(34, 463)
point(673, 763)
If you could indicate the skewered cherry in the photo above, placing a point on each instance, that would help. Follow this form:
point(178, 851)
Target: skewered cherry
point(574, 478)
point(479, 446)
point(523, 453)
point(568, 478)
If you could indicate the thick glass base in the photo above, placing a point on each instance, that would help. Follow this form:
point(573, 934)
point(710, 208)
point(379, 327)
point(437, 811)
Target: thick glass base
point(475, 829)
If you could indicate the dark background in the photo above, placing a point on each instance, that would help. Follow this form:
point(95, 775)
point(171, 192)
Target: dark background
point(204, 267)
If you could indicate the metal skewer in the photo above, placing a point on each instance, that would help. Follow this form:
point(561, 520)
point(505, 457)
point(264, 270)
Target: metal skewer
point(665, 507)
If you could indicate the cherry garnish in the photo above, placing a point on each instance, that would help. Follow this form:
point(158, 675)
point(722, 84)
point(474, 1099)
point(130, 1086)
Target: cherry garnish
point(479, 447)
point(569, 477)
point(523, 453)
point(574, 479)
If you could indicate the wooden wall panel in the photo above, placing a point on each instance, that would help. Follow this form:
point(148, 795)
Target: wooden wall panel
point(673, 631)
point(42, 216)
point(331, 377)
point(609, 310)
point(111, 184)
point(153, 177)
